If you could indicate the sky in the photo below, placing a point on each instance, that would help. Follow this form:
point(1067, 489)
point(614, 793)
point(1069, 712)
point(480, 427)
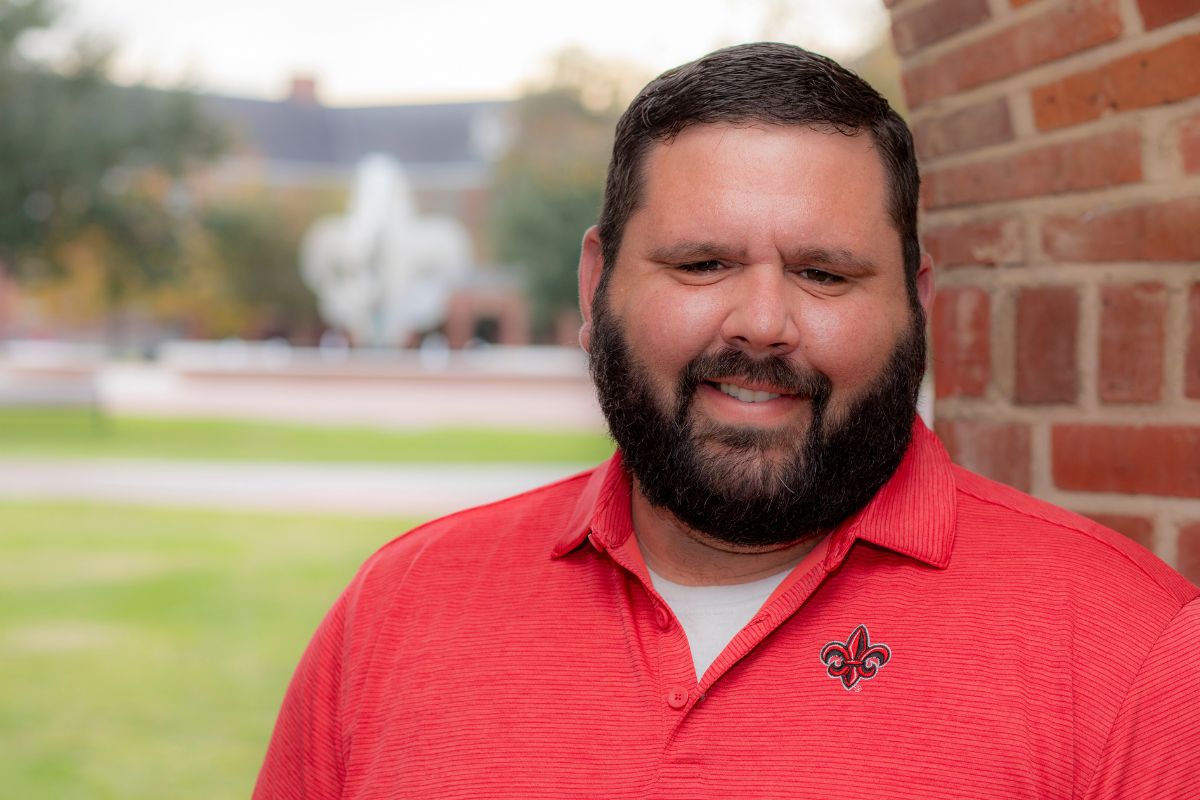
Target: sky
point(366, 52)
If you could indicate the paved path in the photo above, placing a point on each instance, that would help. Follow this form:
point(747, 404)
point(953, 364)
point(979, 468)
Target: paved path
point(373, 489)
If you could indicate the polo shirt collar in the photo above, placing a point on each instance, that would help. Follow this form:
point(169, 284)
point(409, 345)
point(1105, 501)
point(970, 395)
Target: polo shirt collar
point(602, 510)
point(913, 514)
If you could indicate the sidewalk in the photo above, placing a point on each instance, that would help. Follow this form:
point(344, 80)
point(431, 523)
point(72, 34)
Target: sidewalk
point(369, 489)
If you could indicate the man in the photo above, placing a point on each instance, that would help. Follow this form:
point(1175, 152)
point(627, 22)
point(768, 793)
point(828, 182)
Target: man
point(779, 586)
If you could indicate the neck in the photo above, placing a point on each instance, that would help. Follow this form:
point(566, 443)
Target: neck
point(684, 555)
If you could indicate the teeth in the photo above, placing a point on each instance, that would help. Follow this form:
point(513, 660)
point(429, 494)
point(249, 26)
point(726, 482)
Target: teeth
point(747, 395)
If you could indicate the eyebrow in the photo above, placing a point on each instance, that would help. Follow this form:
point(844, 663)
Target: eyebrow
point(839, 257)
point(683, 252)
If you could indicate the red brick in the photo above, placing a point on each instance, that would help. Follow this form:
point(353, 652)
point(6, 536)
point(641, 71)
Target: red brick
point(1156, 460)
point(1165, 231)
point(1189, 144)
point(976, 126)
point(1132, 331)
point(935, 21)
point(1047, 321)
point(1063, 29)
point(1189, 552)
point(1166, 74)
point(1108, 159)
point(1140, 529)
point(962, 362)
point(1156, 13)
point(999, 450)
point(988, 243)
point(1191, 381)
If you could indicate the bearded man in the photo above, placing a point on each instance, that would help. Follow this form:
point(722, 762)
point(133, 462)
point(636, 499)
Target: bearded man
point(778, 585)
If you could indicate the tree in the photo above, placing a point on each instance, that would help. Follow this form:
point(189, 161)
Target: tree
point(549, 186)
point(255, 244)
point(82, 157)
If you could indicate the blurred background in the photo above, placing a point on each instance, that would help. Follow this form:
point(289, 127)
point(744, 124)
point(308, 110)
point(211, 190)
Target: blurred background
point(278, 281)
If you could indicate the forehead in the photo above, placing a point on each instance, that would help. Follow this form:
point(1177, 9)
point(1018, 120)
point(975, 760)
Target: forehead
point(758, 182)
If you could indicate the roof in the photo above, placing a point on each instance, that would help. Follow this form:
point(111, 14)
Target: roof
point(469, 134)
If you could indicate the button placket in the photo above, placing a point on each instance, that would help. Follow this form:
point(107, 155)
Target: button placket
point(674, 663)
point(677, 696)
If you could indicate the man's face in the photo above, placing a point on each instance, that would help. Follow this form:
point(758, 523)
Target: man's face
point(755, 351)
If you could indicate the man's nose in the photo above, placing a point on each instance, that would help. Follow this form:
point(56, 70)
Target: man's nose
point(761, 316)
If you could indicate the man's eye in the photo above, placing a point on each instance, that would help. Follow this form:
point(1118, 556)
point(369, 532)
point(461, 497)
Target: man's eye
point(701, 266)
point(820, 276)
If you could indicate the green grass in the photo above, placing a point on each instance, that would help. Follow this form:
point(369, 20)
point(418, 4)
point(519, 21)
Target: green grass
point(76, 434)
point(144, 652)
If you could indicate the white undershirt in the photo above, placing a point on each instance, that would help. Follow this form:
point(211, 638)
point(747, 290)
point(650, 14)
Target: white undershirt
point(712, 615)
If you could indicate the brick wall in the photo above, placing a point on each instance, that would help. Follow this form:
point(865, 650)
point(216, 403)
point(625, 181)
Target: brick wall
point(1060, 148)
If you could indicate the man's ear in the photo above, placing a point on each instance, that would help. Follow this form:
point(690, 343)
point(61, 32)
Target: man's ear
point(591, 267)
point(925, 283)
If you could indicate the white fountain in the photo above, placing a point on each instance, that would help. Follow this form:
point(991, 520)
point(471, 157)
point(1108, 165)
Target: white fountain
point(382, 272)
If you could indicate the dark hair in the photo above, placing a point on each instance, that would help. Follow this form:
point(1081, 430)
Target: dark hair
point(767, 82)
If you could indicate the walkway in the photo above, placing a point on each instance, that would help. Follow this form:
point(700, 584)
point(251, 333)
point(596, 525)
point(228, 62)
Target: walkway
point(372, 489)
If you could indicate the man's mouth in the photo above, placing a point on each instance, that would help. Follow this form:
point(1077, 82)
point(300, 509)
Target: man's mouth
point(746, 394)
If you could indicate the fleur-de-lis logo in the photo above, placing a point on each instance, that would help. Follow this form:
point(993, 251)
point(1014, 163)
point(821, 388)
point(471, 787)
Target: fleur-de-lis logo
point(855, 659)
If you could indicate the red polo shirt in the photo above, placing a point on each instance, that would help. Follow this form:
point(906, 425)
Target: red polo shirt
point(955, 639)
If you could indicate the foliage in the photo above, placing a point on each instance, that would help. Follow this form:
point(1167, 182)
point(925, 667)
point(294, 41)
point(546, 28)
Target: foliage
point(77, 433)
point(254, 246)
point(81, 156)
point(144, 652)
point(540, 221)
point(549, 186)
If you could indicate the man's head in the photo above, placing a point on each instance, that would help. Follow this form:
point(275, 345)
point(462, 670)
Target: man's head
point(754, 294)
point(765, 83)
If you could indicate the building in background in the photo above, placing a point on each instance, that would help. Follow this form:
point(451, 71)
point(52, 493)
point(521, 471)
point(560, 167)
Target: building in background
point(448, 150)
point(448, 153)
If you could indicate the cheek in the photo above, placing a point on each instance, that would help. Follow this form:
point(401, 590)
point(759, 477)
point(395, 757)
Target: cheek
point(850, 346)
point(670, 328)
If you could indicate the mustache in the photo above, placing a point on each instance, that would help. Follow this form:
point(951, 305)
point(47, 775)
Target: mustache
point(774, 370)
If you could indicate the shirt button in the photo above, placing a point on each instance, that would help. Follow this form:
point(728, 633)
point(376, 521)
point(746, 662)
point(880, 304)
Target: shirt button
point(677, 697)
point(662, 618)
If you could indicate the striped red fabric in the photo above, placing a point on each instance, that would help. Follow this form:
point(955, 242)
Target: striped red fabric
point(956, 639)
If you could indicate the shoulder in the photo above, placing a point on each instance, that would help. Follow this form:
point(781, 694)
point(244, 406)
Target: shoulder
point(495, 537)
point(525, 518)
point(1049, 581)
point(437, 573)
point(1152, 745)
point(1056, 542)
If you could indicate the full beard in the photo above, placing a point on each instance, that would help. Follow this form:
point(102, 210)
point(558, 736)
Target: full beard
point(748, 486)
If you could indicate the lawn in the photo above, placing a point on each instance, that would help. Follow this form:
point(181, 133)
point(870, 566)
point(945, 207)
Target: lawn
point(144, 652)
point(77, 434)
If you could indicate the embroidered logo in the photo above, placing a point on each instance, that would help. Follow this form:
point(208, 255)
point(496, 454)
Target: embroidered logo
point(855, 659)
